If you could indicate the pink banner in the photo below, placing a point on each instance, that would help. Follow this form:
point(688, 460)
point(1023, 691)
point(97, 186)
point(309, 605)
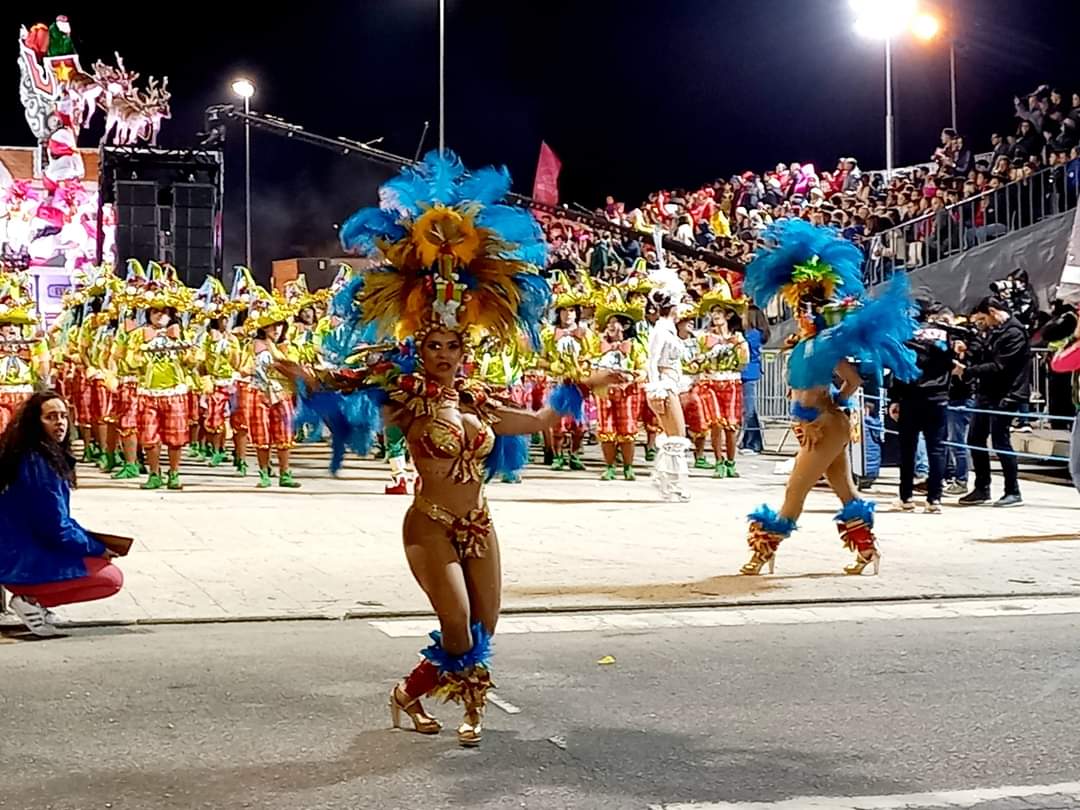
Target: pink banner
point(546, 186)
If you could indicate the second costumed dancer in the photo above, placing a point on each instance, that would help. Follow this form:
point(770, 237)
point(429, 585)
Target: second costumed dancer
point(456, 265)
point(819, 276)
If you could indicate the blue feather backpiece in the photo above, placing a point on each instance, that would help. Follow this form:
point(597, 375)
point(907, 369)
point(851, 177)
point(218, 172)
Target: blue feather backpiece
point(874, 336)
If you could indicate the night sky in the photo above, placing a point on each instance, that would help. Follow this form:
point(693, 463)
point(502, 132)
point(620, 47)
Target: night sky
point(633, 96)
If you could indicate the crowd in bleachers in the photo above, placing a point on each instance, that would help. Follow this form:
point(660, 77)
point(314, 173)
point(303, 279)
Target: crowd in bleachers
point(728, 216)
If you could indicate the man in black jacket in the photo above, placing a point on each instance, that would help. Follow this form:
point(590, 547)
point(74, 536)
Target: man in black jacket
point(920, 407)
point(1002, 374)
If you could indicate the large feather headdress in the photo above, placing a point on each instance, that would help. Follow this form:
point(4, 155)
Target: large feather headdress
point(455, 258)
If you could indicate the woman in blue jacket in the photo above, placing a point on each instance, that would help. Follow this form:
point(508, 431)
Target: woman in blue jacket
point(46, 557)
point(756, 329)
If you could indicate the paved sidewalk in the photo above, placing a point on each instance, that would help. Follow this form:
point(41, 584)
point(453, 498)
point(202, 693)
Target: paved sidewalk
point(223, 550)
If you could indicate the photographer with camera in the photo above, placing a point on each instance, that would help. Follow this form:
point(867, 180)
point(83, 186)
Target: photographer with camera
point(1002, 374)
point(919, 407)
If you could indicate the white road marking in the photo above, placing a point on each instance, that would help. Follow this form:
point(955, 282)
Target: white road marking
point(505, 705)
point(735, 617)
point(911, 801)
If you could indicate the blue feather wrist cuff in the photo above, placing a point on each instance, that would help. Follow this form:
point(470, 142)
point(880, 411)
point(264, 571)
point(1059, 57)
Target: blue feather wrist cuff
point(478, 656)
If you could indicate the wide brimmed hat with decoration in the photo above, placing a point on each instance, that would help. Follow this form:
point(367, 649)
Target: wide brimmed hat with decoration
point(211, 300)
point(610, 302)
point(454, 257)
point(16, 304)
point(720, 296)
point(297, 295)
point(159, 287)
point(565, 293)
point(265, 310)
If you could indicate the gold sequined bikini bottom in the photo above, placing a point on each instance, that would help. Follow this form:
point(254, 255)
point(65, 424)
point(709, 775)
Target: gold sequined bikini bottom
point(468, 533)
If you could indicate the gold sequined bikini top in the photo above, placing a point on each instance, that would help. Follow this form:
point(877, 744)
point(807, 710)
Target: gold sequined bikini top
point(443, 439)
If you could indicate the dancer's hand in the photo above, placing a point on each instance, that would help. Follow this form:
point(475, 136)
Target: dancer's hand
point(294, 371)
point(604, 377)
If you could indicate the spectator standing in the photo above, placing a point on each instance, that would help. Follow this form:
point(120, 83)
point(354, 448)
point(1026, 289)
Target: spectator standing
point(756, 328)
point(919, 407)
point(1002, 376)
point(46, 558)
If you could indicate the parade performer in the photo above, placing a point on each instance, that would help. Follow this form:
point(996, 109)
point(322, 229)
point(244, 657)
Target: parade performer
point(819, 276)
point(618, 350)
point(271, 416)
point(218, 355)
point(457, 263)
point(98, 282)
point(23, 354)
point(124, 426)
point(501, 367)
point(698, 401)
point(159, 355)
point(243, 400)
point(666, 381)
point(565, 349)
point(727, 353)
point(1067, 360)
point(102, 378)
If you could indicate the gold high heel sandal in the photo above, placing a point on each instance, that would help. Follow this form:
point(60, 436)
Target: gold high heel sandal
point(423, 723)
point(856, 568)
point(471, 730)
point(757, 562)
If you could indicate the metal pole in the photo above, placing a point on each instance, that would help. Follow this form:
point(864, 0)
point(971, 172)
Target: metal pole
point(442, 76)
point(247, 180)
point(888, 110)
point(952, 82)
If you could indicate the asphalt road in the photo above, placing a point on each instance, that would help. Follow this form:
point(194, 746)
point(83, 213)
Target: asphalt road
point(293, 715)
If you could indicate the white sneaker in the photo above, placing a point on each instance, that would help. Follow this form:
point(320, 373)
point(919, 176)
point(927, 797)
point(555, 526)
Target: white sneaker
point(746, 451)
point(33, 616)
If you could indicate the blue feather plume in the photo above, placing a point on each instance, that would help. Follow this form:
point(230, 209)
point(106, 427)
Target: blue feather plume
point(359, 232)
point(479, 655)
point(442, 171)
point(535, 293)
point(486, 186)
point(508, 456)
point(566, 399)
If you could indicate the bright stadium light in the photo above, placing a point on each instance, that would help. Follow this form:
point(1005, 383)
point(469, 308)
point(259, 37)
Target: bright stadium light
point(883, 19)
point(925, 26)
point(244, 88)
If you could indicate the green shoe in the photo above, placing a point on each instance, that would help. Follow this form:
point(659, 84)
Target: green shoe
point(153, 482)
point(286, 480)
point(242, 468)
point(194, 451)
point(702, 463)
point(560, 462)
point(536, 440)
point(650, 454)
point(511, 478)
point(720, 470)
point(576, 463)
point(609, 473)
point(217, 458)
point(174, 481)
point(126, 472)
point(108, 462)
point(264, 479)
point(731, 471)
point(91, 453)
point(628, 473)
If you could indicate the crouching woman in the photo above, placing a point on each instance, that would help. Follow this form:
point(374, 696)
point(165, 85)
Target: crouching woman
point(46, 558)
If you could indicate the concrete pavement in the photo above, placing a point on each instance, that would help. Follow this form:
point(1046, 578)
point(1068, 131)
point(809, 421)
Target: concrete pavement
point(223, 550)
point(972, 713)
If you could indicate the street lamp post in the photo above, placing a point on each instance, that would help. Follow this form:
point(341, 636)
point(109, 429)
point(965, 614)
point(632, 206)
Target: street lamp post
point(442, 76)
point(885, 21)
point(245, 88)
